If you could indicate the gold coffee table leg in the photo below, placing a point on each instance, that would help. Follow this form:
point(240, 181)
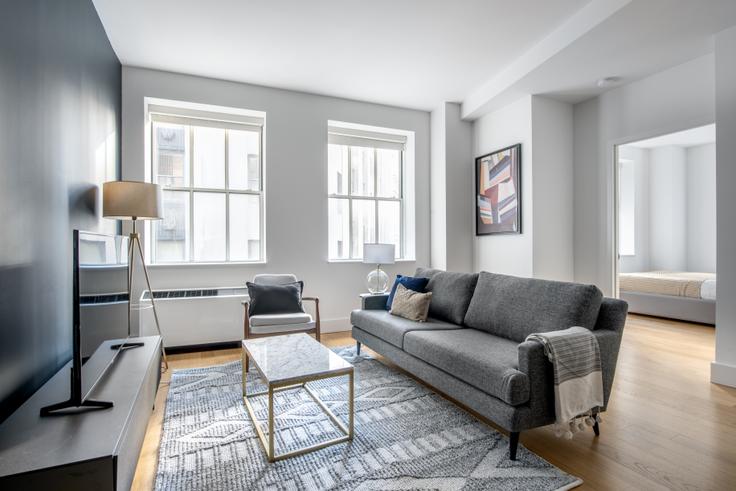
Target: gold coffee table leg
point(351, 404)
point(270, 424)
point(268, 441)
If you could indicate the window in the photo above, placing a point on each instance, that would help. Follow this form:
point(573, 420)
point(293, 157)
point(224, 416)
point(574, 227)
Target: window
point(211, 174)
point(366, 197)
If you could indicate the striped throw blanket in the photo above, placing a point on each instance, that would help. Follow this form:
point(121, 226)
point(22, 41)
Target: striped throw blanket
point(576, 362)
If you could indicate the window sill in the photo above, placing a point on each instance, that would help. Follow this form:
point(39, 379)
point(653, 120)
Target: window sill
point(338, 261)
point(225, 263)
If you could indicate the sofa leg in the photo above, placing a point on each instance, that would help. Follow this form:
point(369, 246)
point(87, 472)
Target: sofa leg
point(513, 444)
point(596, 429)
point(357, 347)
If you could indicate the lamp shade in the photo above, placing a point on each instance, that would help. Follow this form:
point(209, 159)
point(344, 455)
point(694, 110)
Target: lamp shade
point(378, 253)
point(128, 200)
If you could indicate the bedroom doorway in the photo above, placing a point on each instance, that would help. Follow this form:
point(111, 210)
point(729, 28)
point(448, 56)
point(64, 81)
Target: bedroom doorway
point(665, 225)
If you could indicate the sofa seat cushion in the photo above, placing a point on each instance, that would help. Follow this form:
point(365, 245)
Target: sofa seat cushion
point(514, 308)
point(451, 293)
point(485, 361)
point(391, 328)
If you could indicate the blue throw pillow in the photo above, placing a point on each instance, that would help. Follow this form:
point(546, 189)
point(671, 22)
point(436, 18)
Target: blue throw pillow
point(416, 284)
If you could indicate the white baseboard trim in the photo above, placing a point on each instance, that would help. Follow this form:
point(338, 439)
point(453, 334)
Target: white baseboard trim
point(722, 373)
point(335, 325)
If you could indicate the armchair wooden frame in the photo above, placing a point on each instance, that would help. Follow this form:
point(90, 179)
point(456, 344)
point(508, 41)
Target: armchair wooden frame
point(247, 334)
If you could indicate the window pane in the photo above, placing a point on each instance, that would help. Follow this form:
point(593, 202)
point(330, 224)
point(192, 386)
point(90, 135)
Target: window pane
point(388, 169)
point(209, 227)
point(171, 154)
point(209, 157)
point(363, 226)
point(172, 232)
point(339, 228)
point(245, 227)
point(244, 160)
point(361, 168)
point(337, 169)
point(389, 224)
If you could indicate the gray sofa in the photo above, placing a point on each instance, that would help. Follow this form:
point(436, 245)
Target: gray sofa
point(473, 348)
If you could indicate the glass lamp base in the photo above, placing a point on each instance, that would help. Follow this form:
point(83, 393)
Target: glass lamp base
point(377, 281)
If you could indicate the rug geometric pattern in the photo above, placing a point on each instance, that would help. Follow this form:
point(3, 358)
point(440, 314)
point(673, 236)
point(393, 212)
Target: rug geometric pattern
point(406, 437)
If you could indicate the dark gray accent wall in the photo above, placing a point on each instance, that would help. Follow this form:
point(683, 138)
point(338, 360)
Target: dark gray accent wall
point(60, 97)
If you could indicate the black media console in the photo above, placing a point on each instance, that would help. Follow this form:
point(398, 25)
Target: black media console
point(96, 450)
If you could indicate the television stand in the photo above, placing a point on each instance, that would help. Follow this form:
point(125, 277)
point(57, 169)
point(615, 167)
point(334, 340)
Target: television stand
point(87, 450)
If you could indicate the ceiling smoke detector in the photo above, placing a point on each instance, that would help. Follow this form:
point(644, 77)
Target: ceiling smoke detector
point(608, 82)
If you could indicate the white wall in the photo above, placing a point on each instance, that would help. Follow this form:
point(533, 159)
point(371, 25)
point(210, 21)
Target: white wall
point(640, 260)
point(723, 369)
point(507, 254)
point(701, 208)
point(296, 181)
point(544, 249)
point(552, 183)
point(438, 190)
point(460, 173)
point(667, 209)
point(679, 98)
point(451, 205)
point(675, 192)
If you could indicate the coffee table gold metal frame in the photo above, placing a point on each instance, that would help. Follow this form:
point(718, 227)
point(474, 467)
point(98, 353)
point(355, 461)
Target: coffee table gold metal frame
point(298, 382)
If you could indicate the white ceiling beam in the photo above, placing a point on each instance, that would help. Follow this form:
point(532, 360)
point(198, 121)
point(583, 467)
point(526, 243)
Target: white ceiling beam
point(500, 89)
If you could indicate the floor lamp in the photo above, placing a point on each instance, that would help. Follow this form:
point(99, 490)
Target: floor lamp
point(133, 200)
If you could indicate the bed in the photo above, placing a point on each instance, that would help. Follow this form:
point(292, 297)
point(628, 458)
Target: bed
point(688, 296)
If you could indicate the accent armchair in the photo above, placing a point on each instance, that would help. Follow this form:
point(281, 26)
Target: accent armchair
point(277, 324)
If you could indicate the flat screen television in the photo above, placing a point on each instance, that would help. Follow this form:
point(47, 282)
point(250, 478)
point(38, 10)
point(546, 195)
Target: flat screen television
point(100, 324)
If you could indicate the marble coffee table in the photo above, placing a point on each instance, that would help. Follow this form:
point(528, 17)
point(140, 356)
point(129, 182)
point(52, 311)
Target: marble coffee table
point(290, 362)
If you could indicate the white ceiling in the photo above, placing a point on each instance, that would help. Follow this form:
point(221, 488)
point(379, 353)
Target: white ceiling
point(417, 53)
point(687, 138)
point(636, 39)
point(411, 53)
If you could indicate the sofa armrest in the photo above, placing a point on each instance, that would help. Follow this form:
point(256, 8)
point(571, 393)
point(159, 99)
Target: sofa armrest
point(370, 301)
point(609, 330)
point(534, 363)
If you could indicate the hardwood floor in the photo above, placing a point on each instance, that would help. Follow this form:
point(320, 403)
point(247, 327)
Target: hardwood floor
point(667, 426)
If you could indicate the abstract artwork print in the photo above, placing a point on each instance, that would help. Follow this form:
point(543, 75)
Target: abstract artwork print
point(498, 192)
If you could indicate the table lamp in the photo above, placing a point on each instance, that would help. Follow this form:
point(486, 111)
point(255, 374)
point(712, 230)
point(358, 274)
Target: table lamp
point(377, 280)
point(133, 200)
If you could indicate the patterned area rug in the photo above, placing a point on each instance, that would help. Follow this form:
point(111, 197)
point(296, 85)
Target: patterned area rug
point(406, 437)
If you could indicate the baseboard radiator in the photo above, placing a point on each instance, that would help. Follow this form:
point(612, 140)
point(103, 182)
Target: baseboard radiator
point(195, 317)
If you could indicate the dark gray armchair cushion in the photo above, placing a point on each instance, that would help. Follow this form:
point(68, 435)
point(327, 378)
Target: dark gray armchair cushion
point(451, 293)
point(513, 308)
point(275, 299)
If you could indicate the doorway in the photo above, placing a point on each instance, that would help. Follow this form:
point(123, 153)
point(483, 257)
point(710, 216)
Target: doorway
point(665, 236)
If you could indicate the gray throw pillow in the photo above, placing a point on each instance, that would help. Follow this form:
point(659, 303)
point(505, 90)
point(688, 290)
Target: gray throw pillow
point(275, 299)
point(410, 304)
point(451, 293)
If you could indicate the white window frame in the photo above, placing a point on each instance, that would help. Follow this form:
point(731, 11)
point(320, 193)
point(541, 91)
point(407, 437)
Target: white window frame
point(191, 118)
point(351, 138)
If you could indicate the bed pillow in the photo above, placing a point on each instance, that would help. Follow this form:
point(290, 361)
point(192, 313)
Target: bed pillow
point(411, 282)
point(410, 304)
point(275, 299)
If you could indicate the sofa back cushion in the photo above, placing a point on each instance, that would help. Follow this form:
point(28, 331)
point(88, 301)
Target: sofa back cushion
point(513, 307)
point(451, 293)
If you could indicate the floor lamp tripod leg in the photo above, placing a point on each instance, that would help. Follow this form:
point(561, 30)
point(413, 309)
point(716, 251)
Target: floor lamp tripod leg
point(153, 302)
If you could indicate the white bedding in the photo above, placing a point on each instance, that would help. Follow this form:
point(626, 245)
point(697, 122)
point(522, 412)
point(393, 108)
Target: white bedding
point(708, 290)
